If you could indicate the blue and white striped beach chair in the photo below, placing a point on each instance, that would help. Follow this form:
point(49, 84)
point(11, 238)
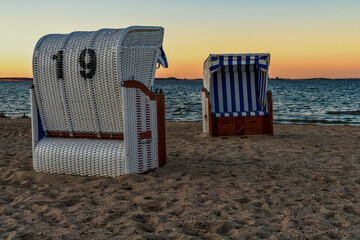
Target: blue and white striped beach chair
point(234, 97)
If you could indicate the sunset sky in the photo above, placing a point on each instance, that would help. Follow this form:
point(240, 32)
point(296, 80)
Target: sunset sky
point(308, 38)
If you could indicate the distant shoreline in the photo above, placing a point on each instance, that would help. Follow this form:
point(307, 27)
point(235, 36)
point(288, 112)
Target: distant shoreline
point(15, 79)
point(12, 79)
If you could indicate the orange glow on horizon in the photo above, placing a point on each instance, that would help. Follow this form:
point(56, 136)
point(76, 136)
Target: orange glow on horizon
point(282, 67)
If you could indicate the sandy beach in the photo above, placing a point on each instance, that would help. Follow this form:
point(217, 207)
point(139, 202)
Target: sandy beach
point(301, 183)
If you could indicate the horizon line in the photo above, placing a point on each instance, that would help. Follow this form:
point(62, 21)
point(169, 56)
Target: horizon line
point(176, 78)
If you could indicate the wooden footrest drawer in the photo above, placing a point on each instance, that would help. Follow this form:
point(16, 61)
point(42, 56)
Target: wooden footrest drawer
point(253, 125)
point(226, 126)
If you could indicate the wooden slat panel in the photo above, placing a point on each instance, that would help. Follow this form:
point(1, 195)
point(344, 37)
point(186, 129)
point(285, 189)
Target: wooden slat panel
point(160, 108)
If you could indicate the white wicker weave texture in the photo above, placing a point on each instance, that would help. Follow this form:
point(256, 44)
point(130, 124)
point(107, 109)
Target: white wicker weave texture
point(75, 104)
point(80, 157)
point(142, 154)
point(88, 105)
point(77, 79)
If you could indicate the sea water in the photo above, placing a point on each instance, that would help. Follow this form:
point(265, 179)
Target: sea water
point(15, 99)
point(295, 101)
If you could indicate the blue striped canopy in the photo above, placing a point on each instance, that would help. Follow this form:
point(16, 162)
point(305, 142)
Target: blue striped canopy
point(162, 58)
point(237, 84)
point(240, 60)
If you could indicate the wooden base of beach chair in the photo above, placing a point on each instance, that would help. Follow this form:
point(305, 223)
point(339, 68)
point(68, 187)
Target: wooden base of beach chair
point(252, 125)
point(247, 125)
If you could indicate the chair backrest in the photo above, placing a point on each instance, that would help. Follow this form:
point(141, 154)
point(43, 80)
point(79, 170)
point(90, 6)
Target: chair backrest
point(236, 82)
point(77, 76)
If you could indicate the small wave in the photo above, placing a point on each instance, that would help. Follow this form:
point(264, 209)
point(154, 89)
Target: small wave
point(344, 112)
point(313, 121)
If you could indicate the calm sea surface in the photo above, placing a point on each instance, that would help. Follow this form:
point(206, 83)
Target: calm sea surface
point(303, 102)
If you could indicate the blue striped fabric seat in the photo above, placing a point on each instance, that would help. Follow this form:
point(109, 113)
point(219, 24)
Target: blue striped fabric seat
point(239, 114)
point(238, 85)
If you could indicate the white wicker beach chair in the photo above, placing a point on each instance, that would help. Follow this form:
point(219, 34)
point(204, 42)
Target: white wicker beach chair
point(234, 97)
point(93, 109)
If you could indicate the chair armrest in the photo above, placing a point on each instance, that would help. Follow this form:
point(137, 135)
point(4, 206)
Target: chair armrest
point(207, 94)
point(138, 85)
